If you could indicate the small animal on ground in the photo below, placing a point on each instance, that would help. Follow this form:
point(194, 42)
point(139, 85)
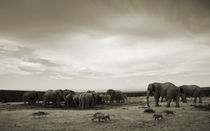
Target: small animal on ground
point(101, 116)
point(157, 116)
point(148, 110)
point(168, 112)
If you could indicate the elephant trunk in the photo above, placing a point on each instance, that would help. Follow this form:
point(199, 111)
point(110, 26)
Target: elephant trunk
point(148, 93)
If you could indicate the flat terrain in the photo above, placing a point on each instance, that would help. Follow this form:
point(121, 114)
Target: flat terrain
point(130, 116)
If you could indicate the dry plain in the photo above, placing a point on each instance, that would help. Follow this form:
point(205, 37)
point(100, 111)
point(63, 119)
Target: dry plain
point(130, 116)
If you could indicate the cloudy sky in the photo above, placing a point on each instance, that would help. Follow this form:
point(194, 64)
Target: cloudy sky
point(102, 44)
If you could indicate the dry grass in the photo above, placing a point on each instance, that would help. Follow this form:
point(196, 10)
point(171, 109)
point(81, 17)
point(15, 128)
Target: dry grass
point(131, 116)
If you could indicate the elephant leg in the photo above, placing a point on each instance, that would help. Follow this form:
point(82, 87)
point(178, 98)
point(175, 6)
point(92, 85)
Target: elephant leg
point(195, 99)
point(54, 103)
point(177, 101)
point(185, 99)
point(161, 99)
point(82, 105)
point(168, 102)
point(200, 99)
point(58, 102)
point(157, 101)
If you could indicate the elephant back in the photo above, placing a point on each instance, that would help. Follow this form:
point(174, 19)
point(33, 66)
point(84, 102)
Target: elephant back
point(30, 95)
point(52, 95)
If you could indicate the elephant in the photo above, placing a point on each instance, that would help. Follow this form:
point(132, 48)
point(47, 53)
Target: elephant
point(190, 91)
point(69, 100)
point(96, 99)
point(99, 98)
point(102, 98)
point(31, 97)
point(86, 100)
point(167, 90)
point(107, 98)
point(125, 98)
point(55, 96)
point(115, 95)
point(68, 97)
point(76, 100)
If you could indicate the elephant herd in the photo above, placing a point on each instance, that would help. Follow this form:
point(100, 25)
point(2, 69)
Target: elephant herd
point(88, 99)
point(72, 99)
point(171, 92)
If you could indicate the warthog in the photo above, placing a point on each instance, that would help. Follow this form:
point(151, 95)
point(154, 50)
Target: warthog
point(157, 116)
point(101, 116)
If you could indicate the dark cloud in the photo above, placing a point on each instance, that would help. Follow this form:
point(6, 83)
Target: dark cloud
point(40, 20)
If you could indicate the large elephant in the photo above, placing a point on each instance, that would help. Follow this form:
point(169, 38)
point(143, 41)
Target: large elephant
point(86, 100)
point(31, 97)
point(190, 91)
point(96, 98)
point(76, 100)
point(69, 100)
point(68, 97)
point(54, 96)
point(167, 90)
point(115, 95)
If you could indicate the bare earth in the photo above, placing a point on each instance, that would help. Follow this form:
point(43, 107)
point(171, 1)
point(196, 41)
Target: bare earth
point(131, 116)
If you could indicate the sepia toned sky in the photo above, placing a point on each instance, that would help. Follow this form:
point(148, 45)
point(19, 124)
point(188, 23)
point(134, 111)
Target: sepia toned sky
point(102, 44)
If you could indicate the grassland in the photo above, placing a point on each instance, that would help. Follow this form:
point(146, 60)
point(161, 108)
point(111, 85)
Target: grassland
point(128, 117)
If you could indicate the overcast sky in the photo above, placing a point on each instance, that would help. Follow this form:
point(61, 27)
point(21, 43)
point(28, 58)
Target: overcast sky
point(102, 44)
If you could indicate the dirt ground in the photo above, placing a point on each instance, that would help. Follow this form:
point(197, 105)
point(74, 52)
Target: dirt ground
point(130, 116)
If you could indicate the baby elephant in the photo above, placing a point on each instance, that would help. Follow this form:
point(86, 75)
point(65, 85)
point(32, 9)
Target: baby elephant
point(157, 116)
point(168, 112)
point(101, 116)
